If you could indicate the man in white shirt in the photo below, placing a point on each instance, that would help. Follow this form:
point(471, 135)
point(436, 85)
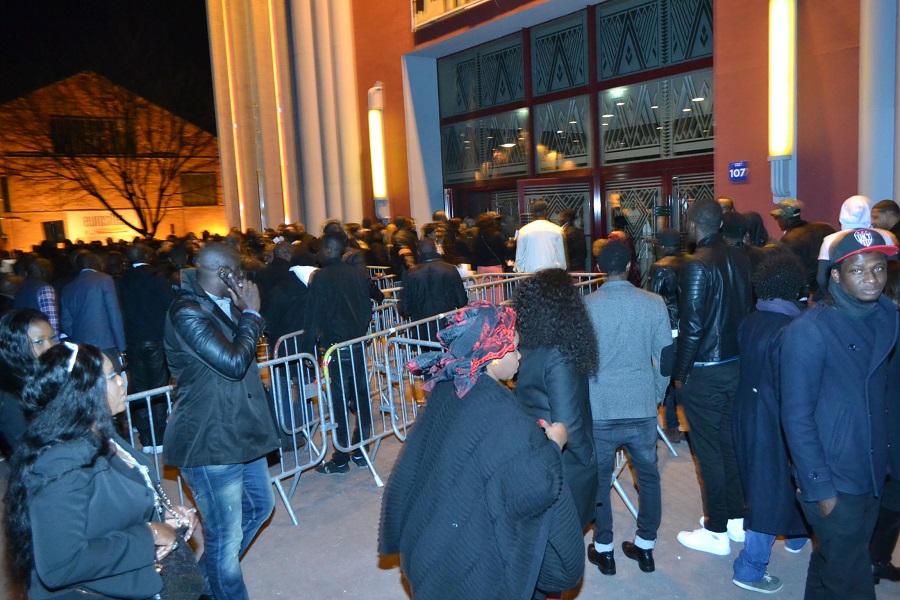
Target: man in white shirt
point(539, 244)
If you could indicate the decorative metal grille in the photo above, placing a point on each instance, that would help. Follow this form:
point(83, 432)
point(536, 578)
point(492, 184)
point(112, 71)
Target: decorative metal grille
point(559, 54)
point(637, 201)
point(576, 196)
point(560, 197)
point(632, 121)
point(686, 189)
point(658, 119)
point(689, 29)
point(628, 38)
point(487, 148)
point(692, 113)
point(641, 35)
point(488, 75)
point(563, 135)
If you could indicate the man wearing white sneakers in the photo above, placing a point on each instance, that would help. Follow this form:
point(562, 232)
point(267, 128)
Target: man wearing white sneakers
point(714, 296)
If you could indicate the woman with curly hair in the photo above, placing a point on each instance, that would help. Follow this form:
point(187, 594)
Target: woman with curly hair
point(25, 334)
point(83, 516)
point(476, 505)
point(559, 354)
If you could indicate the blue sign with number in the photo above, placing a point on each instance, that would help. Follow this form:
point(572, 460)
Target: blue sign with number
point(737, 171)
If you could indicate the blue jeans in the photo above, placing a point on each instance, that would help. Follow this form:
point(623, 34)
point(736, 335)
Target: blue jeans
point(638, 437)
point(234, 501)
point(750, 565)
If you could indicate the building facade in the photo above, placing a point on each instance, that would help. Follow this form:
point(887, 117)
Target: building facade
point(83, 156)
point(618, 108)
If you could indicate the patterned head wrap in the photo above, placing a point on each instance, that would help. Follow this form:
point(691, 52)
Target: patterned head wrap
point(479, 334)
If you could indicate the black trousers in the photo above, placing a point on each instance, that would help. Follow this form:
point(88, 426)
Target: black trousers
point(707, 398)
point(887, 528)
point(350, 395)
point(147, 370)
point(839, 567)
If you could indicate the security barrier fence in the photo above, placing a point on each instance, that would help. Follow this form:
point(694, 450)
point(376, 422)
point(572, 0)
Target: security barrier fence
point(359, 393)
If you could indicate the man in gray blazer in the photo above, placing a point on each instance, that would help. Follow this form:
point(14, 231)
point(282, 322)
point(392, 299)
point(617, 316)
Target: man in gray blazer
point(90, 309)
point(632, 328)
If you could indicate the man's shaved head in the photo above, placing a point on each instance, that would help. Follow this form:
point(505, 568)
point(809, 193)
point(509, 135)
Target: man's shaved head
point(216, 254)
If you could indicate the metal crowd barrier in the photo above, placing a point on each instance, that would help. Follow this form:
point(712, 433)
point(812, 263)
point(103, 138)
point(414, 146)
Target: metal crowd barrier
point(378, 271)
point(146, 399)
point(299, 411)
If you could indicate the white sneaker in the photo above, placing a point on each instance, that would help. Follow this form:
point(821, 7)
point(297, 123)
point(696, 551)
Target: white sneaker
point(734, 528)
point(705, 540)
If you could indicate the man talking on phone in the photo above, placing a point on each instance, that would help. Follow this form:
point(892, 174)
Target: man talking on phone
point(221, 428)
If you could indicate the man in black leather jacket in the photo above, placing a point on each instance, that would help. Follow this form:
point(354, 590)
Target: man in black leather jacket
point(221, 428)
point(430, 288)
point(714, 296)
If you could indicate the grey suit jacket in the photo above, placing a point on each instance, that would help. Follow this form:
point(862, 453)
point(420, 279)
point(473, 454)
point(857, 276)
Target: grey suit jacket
point(91, 313)
point(632, 328)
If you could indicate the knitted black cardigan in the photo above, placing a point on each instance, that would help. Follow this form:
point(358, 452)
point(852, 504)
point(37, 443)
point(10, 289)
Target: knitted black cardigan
point(476, 505)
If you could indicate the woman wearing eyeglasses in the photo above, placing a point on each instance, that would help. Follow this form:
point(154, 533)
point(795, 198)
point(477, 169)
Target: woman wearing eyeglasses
point(85, 518)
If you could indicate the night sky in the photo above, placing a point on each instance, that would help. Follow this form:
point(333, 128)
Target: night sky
point(158, 49)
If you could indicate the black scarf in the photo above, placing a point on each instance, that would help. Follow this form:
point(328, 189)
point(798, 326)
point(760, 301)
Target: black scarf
point(849, 305)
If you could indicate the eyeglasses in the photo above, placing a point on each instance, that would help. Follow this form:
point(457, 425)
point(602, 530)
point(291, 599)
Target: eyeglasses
point(113, 375)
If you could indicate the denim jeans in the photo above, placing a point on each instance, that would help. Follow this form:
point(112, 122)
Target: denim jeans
point(638, 437)
point(234, 501)
point(750, 565)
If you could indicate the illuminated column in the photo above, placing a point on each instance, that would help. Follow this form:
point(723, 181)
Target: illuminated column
point(877, 93)
point(249, 50)
point(376, 151)
point(783, 98)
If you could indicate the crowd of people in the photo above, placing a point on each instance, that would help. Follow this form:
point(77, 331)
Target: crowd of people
point(780, 354)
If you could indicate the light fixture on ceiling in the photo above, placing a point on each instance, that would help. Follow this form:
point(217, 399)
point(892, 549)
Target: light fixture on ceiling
point(508, 145)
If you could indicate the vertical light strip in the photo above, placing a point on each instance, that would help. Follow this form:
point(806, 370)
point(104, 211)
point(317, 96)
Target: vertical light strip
point(782, 75)
point(234, 125)
point(285, 195)
point(376, 141)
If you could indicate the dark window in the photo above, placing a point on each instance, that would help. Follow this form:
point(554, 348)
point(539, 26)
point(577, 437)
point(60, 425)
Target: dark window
point(76, 136)
point(199, 189)
point(4, 194)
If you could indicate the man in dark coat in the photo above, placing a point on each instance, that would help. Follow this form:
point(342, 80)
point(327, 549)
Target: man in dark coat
point(431, 287)
point(146, 296)
point(803, 238)
point(90, 309)
point(835, 413)
point(771, 507)
point(340, 310)
point(573, 240)
point(221, 428)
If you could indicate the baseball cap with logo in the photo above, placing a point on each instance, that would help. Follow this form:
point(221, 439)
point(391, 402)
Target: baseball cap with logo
point(860, 241)
point(787, 209)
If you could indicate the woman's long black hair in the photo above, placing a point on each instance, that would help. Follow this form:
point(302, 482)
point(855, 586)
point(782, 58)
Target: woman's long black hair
point(550, 313)
point(68, 406)
point(17, 359)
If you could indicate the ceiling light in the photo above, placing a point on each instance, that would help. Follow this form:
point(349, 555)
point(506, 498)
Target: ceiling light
point(620, 104)
point(573, 122)
point(698, 99)
point(559, 131)
point(654, 107)
point(608, 116)
point(508, 145)
point(685, 110)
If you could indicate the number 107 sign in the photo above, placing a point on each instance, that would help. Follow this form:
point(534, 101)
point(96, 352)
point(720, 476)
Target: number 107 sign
point(738, 171)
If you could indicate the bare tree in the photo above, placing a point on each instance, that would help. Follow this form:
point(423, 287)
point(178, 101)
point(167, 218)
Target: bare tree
point(87, 136)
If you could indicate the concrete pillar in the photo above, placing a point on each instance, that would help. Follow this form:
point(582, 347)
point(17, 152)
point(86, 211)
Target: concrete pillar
point(423, 137)
point(877, 94)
